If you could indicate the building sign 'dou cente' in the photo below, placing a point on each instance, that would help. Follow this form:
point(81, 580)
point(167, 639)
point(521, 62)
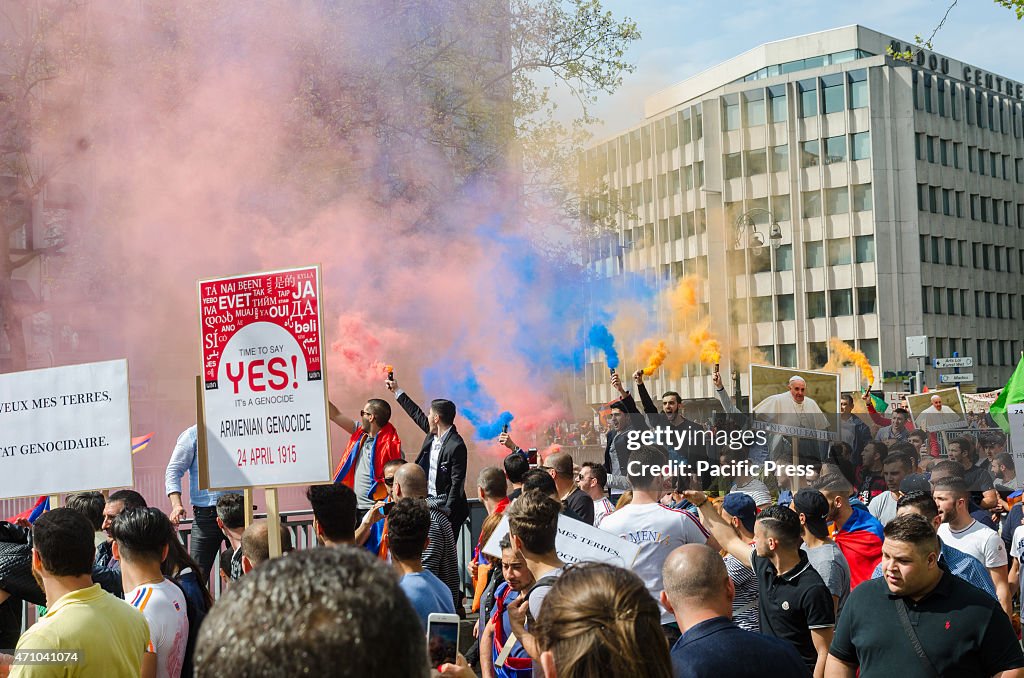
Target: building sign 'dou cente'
point(968, 74)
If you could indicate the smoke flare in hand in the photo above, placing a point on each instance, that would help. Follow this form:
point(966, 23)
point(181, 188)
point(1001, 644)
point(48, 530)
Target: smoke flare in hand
point(844, 353)
point(656, 356)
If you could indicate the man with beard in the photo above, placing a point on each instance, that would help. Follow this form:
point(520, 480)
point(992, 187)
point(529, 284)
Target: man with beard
point(674, 418)
point(109, 635)
point(623, 418)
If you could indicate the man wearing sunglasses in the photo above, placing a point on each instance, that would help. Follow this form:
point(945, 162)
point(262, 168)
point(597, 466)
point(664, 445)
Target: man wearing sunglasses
point(373, 443)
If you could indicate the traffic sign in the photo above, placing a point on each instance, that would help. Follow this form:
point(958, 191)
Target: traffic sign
point(953, 362)
point(956, 378)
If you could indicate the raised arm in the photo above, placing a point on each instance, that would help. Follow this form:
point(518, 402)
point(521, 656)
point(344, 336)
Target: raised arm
point(410, 407)
point(645, 397)
point(180, 462)
point(723, 395)
point(720, 530)
point(340, 419)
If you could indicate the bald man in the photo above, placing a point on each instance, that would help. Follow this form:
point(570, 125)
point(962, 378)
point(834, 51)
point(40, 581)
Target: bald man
point(256, 545)
point(440, 556)
point(699, 593)
point(559, 466)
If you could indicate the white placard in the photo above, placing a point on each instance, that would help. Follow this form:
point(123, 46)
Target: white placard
point(65, 429)
point(264, 397)
point(577, 542)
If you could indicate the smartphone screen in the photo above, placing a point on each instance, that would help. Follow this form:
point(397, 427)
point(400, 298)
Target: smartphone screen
point(442, 642)
point(531, 456)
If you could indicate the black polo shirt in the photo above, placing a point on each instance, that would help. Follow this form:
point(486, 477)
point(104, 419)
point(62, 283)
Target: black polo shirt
point(793, 603)
point(962, 629)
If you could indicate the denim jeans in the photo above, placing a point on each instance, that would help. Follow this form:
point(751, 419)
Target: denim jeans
point(206, 538)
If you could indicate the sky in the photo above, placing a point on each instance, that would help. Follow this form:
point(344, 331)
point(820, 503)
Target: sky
point(681, 39)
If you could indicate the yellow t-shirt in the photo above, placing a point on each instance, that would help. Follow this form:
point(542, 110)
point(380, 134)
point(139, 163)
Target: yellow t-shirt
point(110, 634)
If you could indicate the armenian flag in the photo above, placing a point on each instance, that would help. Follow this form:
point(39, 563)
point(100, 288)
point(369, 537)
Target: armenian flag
point(860, 539)
point(140, 443)
point(42, 505)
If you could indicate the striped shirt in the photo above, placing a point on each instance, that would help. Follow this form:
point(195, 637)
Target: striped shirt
point(440, 556)
point(744, 604)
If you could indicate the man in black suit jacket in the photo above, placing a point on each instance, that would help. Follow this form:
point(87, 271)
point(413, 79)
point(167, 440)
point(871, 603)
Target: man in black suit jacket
point(443, 455)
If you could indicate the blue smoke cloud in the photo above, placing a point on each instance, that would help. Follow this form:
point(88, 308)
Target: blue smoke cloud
point(599, 337)
point(460, 385)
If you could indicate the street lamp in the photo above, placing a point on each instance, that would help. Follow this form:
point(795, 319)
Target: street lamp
point(752, 242)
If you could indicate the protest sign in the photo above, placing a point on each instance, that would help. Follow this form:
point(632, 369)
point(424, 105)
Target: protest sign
point(577, 542)
point(939, 410)
point(264, 394)
point(65, 429)
point(784, 405)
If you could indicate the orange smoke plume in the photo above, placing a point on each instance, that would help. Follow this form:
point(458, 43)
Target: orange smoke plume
point(708, 347)
point(683, 299)
point(656, 356)
point(844, 353)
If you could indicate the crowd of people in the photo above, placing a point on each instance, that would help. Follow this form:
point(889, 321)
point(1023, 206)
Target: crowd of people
point(886, 560)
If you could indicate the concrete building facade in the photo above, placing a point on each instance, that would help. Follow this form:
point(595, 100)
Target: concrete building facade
point(897, 189)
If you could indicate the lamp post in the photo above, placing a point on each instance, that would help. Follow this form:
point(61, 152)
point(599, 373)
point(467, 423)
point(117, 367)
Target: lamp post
point(752, 241)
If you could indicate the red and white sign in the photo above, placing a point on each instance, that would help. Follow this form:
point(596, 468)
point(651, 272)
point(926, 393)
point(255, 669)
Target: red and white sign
point(265, 399)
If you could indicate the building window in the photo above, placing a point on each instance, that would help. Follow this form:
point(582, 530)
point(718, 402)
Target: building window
point(684, 127)
point(957, 161)
point(817, 354)
point(761, 309)
point(757, 162)
point(767, 354)
point(942, 96)
point(810, 153)
point(953, 87)
point(837, 201)
point(814, 254)
point(753, 104)
point(840, 302)
point(786, 307)
point(944, 152)
point(835, 150)
point(730, 112)
point(930, 148)
point(864, 248)
point(816, 305)
point(832, 93)
point(811, 204)
point(866, 298)
point(928, 92)
point(780, 158)
point(808, 98)
point(839, 252)
point(698, 123)
point(858, 88)
point(780, 207)
point(861, 198)
point(787, 355)
point(860, 146)
point(733, 165)
point(777, 97)
point(784, 258)
point(919, 146)
point(869, 347)
point(947, 202)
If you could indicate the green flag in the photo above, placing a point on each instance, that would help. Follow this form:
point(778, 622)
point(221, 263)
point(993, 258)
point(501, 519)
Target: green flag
point(879, 404)
point(1011, 394)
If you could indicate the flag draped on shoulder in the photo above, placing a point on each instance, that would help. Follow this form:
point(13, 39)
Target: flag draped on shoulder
point(1012, 394)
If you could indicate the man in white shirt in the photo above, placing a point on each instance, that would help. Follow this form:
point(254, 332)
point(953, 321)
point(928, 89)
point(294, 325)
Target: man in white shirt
point(895, 468)
point(141, 540)
point(591, 481)
point(657, 529)
point(961, 531)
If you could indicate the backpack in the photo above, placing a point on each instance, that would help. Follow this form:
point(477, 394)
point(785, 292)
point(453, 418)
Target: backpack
point(195, 608)
point(514, 667)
